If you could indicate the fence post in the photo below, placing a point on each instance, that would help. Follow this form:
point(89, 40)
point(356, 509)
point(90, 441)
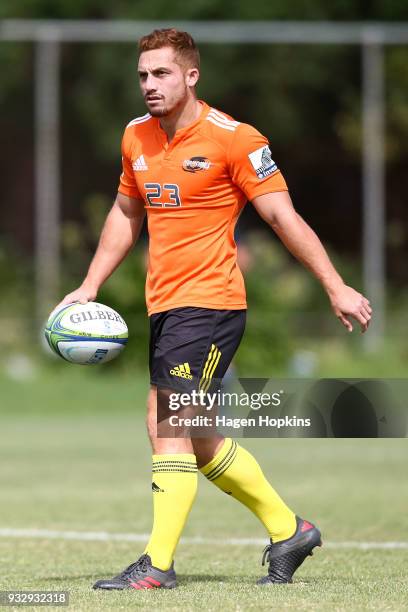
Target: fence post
point(373, 186)
point(47, 174)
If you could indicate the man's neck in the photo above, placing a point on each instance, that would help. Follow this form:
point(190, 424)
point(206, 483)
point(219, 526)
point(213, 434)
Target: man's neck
point(181, 117)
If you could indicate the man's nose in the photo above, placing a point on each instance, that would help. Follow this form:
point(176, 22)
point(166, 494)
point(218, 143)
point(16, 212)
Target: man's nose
point(150, 83)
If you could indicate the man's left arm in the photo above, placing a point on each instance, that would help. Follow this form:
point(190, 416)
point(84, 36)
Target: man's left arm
point(299, 238)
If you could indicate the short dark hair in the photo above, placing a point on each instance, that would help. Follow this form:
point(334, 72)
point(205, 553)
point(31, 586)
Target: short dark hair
point(182, 42)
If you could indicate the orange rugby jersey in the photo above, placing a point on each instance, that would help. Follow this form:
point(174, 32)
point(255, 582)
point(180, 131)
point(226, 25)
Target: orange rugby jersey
point(194, 189)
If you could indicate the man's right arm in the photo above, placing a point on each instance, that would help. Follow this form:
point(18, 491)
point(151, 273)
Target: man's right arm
point(120, 232)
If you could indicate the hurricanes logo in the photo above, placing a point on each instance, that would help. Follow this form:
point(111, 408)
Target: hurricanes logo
point(195, 164)
point(182, 371)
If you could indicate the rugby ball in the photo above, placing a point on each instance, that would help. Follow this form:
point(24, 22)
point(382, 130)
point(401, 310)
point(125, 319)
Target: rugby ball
point(86, 334)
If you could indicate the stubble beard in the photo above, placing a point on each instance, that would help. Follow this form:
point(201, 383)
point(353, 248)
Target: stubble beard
point(159, 112)
point(165, 111)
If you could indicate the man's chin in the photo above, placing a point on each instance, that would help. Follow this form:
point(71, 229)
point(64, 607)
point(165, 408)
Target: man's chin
point(158, 111)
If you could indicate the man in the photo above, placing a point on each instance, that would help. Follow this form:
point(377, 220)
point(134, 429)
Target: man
point(192, 168)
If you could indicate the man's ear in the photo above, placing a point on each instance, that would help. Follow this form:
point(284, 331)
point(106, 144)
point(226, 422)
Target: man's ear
point(192, 76)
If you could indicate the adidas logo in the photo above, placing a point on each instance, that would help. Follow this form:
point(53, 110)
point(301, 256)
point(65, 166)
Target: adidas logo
point(182, 371)
point(139, 164)
point(156, 488)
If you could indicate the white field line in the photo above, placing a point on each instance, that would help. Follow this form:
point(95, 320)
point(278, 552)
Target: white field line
point(103, 536)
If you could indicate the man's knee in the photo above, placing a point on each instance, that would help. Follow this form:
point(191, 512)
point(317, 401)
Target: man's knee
point(163, 438)
point(157, 411)
point(205, 449)
point(151, 414)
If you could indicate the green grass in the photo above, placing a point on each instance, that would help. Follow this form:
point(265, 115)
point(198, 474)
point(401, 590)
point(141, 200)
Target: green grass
point(219, 578)
point(74, 456)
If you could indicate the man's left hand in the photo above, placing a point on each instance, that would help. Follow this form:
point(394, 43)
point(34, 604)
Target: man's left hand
point(346, 303)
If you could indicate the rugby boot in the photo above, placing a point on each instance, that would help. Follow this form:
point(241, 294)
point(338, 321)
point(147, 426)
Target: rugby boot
point(286, 556)
point(140, 575)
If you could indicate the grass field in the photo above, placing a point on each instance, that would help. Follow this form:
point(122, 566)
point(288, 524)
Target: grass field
point(74, 457)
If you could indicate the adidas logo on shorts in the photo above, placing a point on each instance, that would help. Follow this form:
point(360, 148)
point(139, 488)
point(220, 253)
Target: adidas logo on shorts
point(182, 371)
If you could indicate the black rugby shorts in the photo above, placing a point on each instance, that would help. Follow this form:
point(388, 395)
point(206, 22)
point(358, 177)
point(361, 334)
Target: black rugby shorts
point(191, 348)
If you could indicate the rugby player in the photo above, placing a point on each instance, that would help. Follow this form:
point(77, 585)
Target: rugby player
point(191, 168)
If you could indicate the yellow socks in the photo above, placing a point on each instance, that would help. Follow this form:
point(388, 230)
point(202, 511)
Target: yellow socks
point(233, 470)
point(174, 487)
point(236, 472)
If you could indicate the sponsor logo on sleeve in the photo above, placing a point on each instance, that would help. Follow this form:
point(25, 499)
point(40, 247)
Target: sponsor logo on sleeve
point(262, 162)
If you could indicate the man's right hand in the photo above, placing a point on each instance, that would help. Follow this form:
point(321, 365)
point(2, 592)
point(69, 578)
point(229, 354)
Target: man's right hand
point(82, 295)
